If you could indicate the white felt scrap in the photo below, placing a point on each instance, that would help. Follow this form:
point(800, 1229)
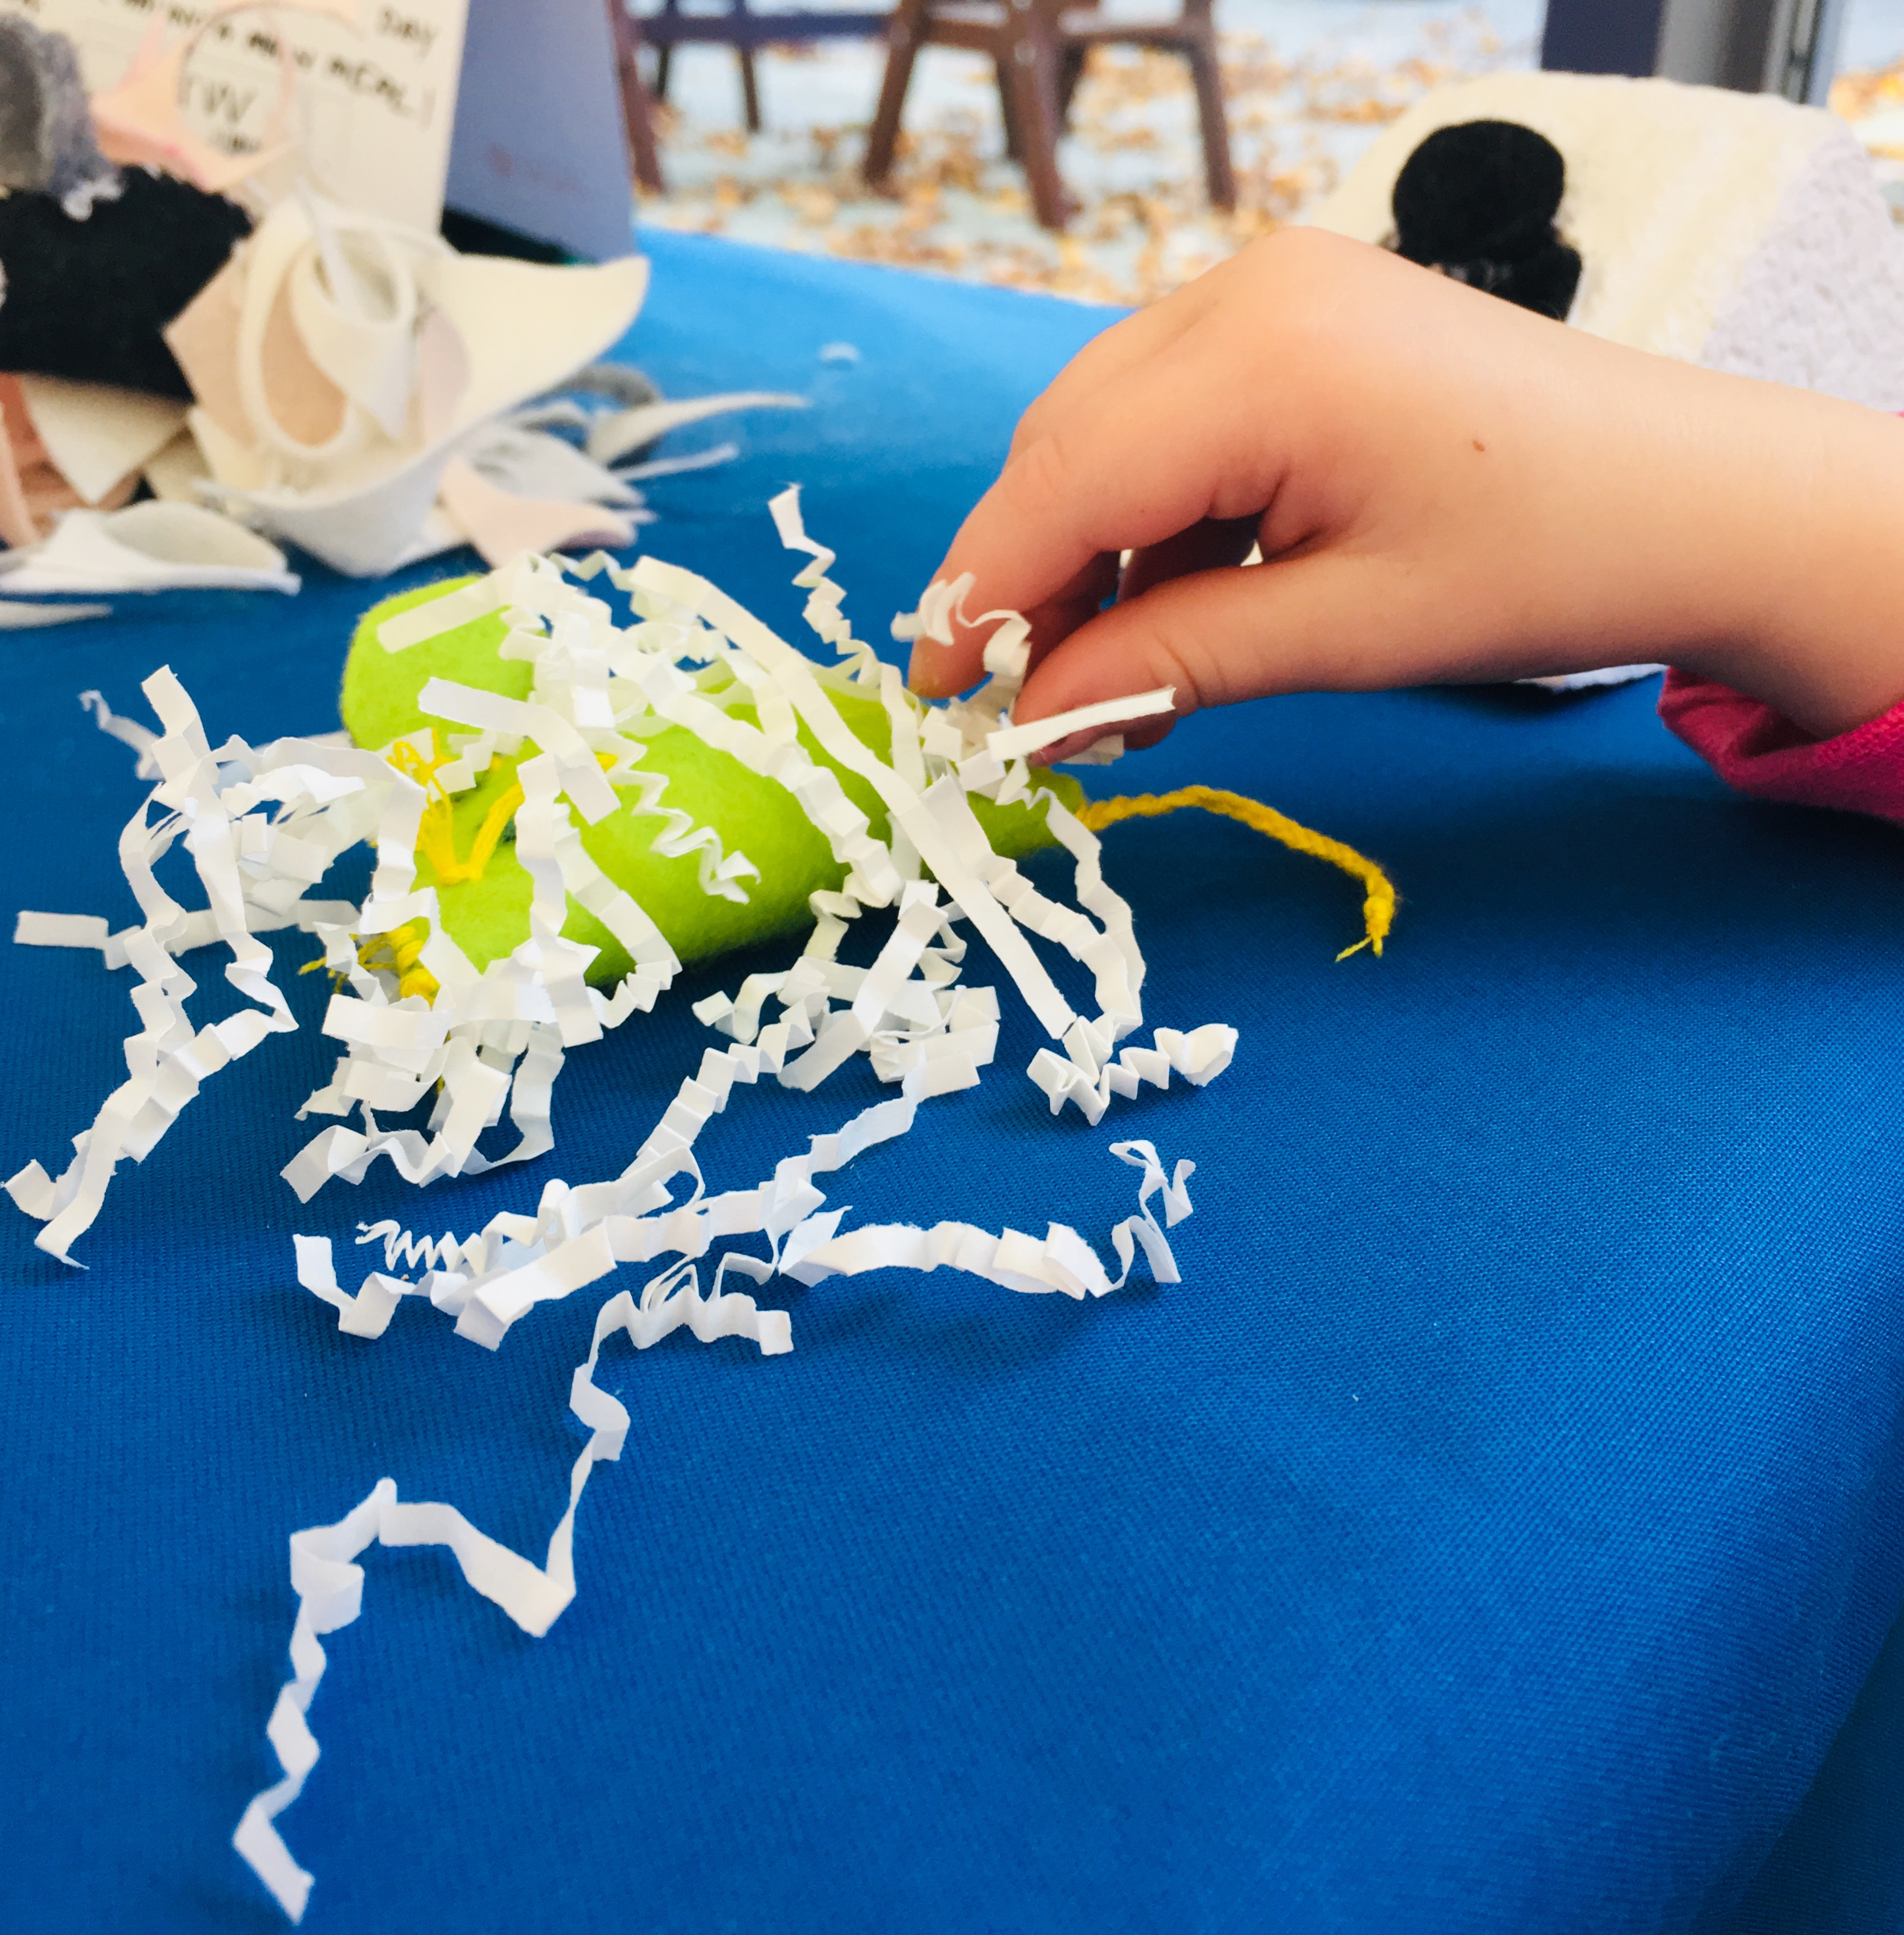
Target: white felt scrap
point(150, 547)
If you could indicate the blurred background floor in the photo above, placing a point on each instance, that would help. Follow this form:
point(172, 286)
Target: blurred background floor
point(1309, 83)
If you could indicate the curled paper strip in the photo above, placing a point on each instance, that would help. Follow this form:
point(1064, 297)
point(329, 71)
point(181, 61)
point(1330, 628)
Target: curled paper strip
point(208, 800)
point(1061, 1261)
point(128, 731)
point(328, 1581)
point(330, 1587)
point(613, 438)
point(1011, 742)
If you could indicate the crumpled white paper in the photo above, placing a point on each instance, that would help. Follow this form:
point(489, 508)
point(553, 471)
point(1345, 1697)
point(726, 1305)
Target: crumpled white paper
point(263, 827)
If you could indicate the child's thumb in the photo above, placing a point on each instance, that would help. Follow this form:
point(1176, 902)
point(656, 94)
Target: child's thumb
point(1304, 624)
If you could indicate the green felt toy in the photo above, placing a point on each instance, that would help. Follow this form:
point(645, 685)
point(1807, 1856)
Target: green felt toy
point(488, 916)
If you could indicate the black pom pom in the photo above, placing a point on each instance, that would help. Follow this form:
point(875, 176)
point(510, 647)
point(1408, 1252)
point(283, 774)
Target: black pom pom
point(87, 299)
point(1478, 202)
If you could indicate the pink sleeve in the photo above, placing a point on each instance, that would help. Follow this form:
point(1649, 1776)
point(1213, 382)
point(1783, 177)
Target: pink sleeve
point(1762, 753)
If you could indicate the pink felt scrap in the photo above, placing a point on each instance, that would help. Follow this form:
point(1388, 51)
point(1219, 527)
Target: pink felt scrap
point(502, 526)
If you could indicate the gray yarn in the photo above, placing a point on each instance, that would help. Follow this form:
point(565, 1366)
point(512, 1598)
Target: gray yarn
point(47, 144)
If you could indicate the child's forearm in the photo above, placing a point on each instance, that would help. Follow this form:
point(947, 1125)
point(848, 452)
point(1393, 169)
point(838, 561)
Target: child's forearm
point(1826, 648)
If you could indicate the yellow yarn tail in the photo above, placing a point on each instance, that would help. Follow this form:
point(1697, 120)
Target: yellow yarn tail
point(1378, 909)
point(401, 951)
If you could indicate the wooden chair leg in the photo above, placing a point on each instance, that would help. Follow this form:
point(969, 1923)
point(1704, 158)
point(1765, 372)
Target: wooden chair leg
point(1014, 147)
point(750, 87)
point(1208, 77)
point(1032, 85)
point(664, 53)
point(1071, 71)
point(902, 42)
point(642, 151)
point(750, 90)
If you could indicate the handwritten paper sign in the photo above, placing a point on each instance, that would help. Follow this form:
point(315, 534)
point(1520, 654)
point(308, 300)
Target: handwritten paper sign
point(371, 107)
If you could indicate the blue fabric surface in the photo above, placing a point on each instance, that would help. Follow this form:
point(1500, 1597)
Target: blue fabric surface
point(1838, 1869)
point(1491, 1533)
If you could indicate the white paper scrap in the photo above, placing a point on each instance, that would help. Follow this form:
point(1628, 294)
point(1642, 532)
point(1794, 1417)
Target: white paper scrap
point(611, 438)
point(16, 616)
point(436, 616)
point(65, 929)
point(154, 546)
point(676, 467)
point(142, 739)
point(1585, 681)
point(97, 434)
point(1013, 742)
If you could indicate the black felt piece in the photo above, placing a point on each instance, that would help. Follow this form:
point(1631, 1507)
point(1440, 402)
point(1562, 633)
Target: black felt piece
point(1478, 202)
point(87, 299)
point(472, 235)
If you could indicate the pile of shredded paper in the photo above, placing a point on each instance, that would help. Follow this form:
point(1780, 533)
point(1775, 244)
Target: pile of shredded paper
point(263, 826)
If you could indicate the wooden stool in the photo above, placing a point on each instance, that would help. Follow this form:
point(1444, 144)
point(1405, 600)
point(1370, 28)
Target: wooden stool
point(666, 30)
point(1038, 49)
point(1021, 39)
point(740, 28)
point(1193, 34)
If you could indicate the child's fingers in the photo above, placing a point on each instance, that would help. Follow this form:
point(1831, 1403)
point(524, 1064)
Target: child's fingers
point(1213, 636)
point(1054, 621)
point(1310, 623)
point(1106, 360)
point(1099, 481)
point(937, 672)
point(1208, 546)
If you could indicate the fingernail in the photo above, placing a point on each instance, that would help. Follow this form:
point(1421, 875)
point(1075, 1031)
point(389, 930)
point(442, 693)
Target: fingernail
point(1066, 748)
point(924, 673)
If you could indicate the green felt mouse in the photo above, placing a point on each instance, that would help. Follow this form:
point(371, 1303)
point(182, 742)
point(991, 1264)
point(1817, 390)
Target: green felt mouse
point(488, 915)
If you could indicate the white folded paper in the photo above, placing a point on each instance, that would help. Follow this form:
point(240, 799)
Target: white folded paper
point(150, 547)
point(15, 617)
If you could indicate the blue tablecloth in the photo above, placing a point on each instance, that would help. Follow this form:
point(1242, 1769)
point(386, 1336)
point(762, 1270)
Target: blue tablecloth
point(1492, 1532)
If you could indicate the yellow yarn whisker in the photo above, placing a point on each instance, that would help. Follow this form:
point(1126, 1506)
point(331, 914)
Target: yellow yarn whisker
point(400, 952)
point(436, 837)
point(436, 833)
point(1378, 908)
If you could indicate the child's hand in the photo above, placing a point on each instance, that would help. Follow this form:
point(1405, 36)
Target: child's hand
point(1446, 488)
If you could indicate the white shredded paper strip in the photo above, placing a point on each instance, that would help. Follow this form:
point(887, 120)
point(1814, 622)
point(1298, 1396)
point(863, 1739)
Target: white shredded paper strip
point(1012, 742)
point(263, 827)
